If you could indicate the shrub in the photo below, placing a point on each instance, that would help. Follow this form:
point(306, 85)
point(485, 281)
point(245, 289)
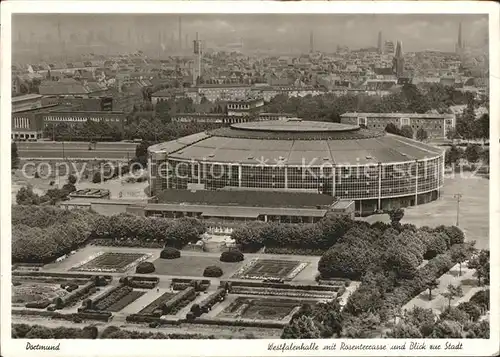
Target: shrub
point(471, 309)
point(213, 271)
point(145, 268)
point(231, 256)
point(196, 310)
point(170, 253)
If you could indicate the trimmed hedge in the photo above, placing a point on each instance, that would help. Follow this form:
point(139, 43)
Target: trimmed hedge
point(258, 284)
point(213, 271)
point(243, 323)
point(232, 256)
point(138, 318)
point(187, 294)
point(213, 299)
point(170, 253)
point(145, 268)
point(58, 275)
point(136, 282)
point(74, 296)
point(100, 316)
point(38, 304)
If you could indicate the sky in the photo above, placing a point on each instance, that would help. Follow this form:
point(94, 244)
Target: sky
point(417, 32)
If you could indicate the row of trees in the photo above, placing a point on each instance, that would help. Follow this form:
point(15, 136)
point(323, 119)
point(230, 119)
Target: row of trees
point(175, 233)
point(378, 247)
point(43, 233)
point(455, 322)
point(409, 99)
point(92, 332)
point(322, 235)
point(473, 153)
point(407, 132)
point(145, 127)
point(469, 126)
point(26, 195)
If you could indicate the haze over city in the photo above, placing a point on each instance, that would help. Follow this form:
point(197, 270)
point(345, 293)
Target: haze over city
point(264, 32)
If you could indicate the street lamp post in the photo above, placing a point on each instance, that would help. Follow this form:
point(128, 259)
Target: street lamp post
point(458, 197)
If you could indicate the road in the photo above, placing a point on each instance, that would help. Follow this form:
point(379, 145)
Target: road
point(76, 150)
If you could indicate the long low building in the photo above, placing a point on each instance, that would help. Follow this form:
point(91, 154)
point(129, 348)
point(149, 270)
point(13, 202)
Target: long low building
point(225, 206)
point(436, 125)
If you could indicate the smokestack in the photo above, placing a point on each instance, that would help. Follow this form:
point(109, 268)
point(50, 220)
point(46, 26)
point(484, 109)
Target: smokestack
point(379, 43)
point(180, 33)
point(311, 42)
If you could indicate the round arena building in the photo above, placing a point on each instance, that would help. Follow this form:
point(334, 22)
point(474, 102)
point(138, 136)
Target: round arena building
point(378, 171)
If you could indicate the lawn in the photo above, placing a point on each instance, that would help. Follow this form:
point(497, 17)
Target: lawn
point(474, 209)
point(110, 262)
point(192, 266)
point(260, 308)
point(270, 268)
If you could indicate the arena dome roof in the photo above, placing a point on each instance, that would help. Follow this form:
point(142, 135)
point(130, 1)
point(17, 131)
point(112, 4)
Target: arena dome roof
point(295, 142)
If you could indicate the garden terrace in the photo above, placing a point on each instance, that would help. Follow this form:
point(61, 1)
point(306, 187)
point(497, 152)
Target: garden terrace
point(41, 290)
point(179, 301)
point(258, 269)
point(28, 292)
point(116, 299)
point(110, 262)
point(251, 308)
point(156, 304)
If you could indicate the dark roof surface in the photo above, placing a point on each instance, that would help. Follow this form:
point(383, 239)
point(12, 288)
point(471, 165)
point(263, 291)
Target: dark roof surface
point(246, 198)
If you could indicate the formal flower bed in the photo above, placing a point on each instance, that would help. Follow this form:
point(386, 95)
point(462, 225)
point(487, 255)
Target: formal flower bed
point(108, 262)
point(35, 292)
point(130, 243)
point(260, 309)
point(296, 271)
point(113, 297)
point(282, 292)
point(261, 269)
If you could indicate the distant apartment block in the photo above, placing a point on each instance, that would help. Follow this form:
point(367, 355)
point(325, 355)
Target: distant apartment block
point(436, 125)
point(244, 107)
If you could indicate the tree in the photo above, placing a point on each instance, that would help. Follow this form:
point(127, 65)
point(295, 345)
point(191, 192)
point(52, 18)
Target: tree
point(303, 327)
point(391, 128)
point(407, 131)
point(14, 156)
point(431, 285)
point(481, 263)
point(72, 179)
point(452, 292)
point(484, 127)
point(453, 155)
point(396, 215)
point(447, 329)
point(472, 153)
point(26, 196)
point(460, 255)
point(423, 318)
point(422, 134)
point(405, 330)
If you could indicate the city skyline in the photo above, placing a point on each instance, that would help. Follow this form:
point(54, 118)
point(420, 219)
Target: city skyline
point(284, 31)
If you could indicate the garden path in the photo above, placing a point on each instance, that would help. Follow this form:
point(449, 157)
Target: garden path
point(467, 281)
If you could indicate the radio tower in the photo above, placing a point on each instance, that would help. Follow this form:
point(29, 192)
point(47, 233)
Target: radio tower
point(197, 50)
point(180, 33)
point(379, 43)
point(311, 42)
